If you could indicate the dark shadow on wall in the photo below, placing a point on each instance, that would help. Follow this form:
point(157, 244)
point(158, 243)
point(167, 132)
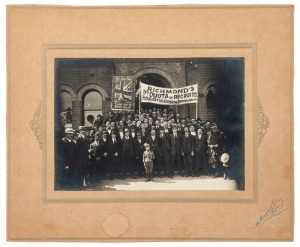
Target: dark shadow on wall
point(231, 109)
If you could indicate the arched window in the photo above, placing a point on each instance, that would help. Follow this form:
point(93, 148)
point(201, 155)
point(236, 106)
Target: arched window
point(92, 106)
point(66, 108)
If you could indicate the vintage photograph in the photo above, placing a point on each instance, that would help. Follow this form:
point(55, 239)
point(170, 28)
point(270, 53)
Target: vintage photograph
point(149, 124)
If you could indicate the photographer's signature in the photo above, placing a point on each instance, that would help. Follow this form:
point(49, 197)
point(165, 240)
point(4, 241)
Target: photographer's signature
point(276, 207)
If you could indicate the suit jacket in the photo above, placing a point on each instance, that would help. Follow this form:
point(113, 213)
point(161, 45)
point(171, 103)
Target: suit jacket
point(120, 137)
point(127, 147)
point(138, 148)
point(93, 146)
point(113, 147)
point(156, 129)
point(83, 153)
point(109, 134)
point(69, 153)
point(175, 144)
point(145, 135)
point(180, 131)
point(101, 148)
point(133, 137)
point(200, 146)
point(153, 144)
point(187, 144)
point(163, 144)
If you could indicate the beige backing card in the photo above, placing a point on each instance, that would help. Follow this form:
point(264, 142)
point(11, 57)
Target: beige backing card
point(263, 35)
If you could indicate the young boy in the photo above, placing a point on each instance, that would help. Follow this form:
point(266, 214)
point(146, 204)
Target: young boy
point(148, 157)
point(225, 162)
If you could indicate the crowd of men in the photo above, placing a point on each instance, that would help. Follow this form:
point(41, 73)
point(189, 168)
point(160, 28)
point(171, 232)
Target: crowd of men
point(114, 148)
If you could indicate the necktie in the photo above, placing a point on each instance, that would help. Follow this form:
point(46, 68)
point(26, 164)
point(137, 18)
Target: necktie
point(161, 136)
point(175, 136)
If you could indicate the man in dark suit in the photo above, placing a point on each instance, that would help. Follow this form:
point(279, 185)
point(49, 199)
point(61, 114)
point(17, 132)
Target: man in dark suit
point(138, 149)
point(109, 130)
point(175, 145)
point(187, 150)
point(66, 172)
point(164, 152)
point(82, 170)
point(144, 133)
point(153, 142)
point(133, 132)
point(154, 116)
point(113, 147)
point(180, 130)
point(200, 150)
point(127, 155)
point(101, 155)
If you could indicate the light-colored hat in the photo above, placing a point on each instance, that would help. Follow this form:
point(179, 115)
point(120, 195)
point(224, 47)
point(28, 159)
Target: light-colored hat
point(69, 131)
point(225, 157)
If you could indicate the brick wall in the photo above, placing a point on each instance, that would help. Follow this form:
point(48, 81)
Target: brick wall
point(175, 69)
point(183, 73)
point(200, 73)
point(78, 77)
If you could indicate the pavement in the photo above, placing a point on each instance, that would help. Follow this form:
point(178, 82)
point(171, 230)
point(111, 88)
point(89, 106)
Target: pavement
point(178, 183)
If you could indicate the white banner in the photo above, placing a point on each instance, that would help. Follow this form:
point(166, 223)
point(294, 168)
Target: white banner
point(169, 96)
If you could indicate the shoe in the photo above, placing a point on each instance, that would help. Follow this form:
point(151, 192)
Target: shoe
point(133, 176)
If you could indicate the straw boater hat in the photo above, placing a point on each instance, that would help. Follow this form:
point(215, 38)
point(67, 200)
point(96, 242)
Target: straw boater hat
point(146, 145)
point(224, 157)
point(69, 131)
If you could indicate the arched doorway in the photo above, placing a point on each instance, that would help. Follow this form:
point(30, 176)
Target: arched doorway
point(154, 80)
point(92, 106)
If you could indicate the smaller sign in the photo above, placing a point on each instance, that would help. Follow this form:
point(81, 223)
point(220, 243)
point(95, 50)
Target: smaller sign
point(122, 93)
